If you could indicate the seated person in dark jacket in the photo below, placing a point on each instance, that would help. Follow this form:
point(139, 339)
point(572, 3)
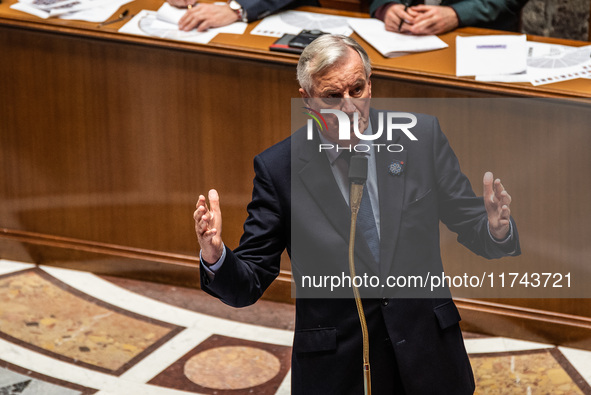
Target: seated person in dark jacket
point(441, 16)
point(207, 15)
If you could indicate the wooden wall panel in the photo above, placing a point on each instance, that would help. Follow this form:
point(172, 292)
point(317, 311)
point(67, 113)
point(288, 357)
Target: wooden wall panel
point(113, 144)
point(105, 146)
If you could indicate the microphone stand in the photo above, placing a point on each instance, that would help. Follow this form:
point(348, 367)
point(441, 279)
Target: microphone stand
point(358, 176)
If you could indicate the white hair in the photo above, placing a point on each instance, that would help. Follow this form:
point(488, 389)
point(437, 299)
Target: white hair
point(325, 52)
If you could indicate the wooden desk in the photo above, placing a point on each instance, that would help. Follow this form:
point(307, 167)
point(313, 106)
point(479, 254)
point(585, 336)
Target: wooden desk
point(430, 68)
point(108, 139)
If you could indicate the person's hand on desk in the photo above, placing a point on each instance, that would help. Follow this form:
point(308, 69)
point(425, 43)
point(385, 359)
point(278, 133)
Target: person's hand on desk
point(420, 19)
point(182, 3)
point(205, 15)
point(396, 16)
point(433, 19)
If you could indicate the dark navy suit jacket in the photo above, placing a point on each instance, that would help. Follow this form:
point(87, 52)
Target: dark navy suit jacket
point(258, 9)
point(298, 201)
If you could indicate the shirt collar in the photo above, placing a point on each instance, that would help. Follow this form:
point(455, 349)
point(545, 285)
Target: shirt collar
point(333, 154)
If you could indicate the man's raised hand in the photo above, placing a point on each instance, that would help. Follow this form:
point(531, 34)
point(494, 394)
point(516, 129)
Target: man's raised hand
point(497, 201)
point(208, 227)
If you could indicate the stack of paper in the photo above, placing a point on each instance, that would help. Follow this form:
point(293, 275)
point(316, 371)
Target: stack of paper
point(86, 10)
point(391, 44)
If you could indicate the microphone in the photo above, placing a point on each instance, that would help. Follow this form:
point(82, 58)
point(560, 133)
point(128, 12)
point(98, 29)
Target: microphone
point(357, 177)
point(358, 169)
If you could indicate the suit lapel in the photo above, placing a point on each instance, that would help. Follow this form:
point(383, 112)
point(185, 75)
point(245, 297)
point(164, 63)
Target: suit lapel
point(391, 197)
point(319, 182)
point(318, 179)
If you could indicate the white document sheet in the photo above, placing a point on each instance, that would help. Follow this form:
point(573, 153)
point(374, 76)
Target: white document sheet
point(519, 77)
point(170, 14)
point(391, 44)
point(293, 22)
point(485, 55)
point(98, 14)
point(549, 63)
point(90, 11)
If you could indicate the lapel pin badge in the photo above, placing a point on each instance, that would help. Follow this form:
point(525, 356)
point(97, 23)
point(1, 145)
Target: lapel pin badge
point(396, 168)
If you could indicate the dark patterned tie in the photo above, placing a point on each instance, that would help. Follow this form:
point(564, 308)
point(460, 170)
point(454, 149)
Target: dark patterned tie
point(366, 223)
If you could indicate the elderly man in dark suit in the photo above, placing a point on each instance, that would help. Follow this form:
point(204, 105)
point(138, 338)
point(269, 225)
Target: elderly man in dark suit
point(301, 205)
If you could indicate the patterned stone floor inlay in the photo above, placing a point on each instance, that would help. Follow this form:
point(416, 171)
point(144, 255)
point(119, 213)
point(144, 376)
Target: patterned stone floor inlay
point(528, 372)
point(232, 367)
point(70, 332)
point(40, 312)
point(225, 365)
point(16, 380)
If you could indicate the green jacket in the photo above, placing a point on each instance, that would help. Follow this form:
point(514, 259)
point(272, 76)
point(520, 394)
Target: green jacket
point(492, 14)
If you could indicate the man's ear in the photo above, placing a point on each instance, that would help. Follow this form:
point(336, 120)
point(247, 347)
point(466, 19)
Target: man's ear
point(305, 97)
point(369, 85)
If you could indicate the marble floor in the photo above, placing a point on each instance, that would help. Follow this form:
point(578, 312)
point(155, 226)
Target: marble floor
point(71, 332)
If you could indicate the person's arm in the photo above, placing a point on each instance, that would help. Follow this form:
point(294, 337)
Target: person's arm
point(245, 273)
point(258, 9)
point(394, 14)
point(182, 3)
point(376, 4)
point(483, 227)
point(487, 13)
point(418, 20)
point(397, 17)
point(207, 15)
point(203, 16)
point(431, 19)
point(427, 19)
point(210, 269)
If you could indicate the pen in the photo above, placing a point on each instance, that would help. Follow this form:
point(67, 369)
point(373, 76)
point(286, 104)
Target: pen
point(121, 17)
point(406, 3)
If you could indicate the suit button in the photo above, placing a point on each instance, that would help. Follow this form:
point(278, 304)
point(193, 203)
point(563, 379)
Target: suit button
point(385, 302)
